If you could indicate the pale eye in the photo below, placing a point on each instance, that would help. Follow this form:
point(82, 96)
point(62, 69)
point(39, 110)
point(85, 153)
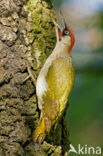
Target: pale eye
point(67, 32)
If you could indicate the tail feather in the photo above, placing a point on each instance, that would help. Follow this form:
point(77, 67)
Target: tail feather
point(39, 133)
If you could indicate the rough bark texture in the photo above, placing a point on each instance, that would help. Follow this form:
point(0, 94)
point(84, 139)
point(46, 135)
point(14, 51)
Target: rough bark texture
point(27, 37)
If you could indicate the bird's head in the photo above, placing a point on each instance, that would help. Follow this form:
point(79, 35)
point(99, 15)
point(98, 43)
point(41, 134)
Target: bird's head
point(66, 35)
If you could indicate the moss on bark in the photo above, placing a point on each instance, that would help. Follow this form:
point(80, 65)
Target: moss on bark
point(39, 13)
point(27, 36)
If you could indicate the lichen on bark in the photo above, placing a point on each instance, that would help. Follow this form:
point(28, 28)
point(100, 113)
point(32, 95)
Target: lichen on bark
point(27, 36)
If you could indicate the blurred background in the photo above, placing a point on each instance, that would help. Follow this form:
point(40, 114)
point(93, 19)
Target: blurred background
point(85, 112)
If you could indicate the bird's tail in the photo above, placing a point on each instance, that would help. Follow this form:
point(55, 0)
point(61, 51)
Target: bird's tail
point(39, 133)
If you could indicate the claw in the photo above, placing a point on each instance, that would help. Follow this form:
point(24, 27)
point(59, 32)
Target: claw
point(37, 147)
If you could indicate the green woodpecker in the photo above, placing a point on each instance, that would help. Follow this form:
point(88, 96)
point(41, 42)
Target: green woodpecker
point(55, 82)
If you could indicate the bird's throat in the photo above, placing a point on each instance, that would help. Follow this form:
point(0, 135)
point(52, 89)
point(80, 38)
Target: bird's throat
point(61, 50)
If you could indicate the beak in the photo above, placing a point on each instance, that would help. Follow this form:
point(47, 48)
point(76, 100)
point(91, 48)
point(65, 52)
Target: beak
point(63, 19)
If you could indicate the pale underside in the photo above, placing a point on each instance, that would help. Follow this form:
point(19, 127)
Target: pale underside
point(60, 80)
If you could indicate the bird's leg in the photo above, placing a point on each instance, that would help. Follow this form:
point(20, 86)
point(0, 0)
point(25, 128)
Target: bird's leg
point(30, 75)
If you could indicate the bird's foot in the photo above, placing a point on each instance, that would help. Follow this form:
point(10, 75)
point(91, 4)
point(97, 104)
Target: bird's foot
point(37, 147)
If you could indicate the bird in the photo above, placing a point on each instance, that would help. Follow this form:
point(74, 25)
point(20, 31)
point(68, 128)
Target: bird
point(55, 82)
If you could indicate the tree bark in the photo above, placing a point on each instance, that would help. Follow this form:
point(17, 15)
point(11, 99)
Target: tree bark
point(27, 37)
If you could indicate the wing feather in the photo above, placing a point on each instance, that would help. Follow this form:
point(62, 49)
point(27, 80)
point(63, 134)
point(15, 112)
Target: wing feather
point(60, 79)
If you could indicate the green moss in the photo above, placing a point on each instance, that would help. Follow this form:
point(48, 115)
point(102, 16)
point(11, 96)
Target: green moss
point(32, 4)
point(43, 29)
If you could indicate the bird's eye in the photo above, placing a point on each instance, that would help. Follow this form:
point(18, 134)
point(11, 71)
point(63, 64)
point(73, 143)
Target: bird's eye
point(67, 32)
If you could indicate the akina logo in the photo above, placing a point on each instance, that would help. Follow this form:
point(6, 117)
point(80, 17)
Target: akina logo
point(85, 150)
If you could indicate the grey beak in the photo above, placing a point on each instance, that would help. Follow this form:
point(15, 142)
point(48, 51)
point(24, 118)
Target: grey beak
point(63, 19)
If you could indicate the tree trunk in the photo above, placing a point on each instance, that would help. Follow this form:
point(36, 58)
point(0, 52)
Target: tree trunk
point(27, 37)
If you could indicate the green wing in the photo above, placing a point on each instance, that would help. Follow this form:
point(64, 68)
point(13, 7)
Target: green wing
point(60, 79)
